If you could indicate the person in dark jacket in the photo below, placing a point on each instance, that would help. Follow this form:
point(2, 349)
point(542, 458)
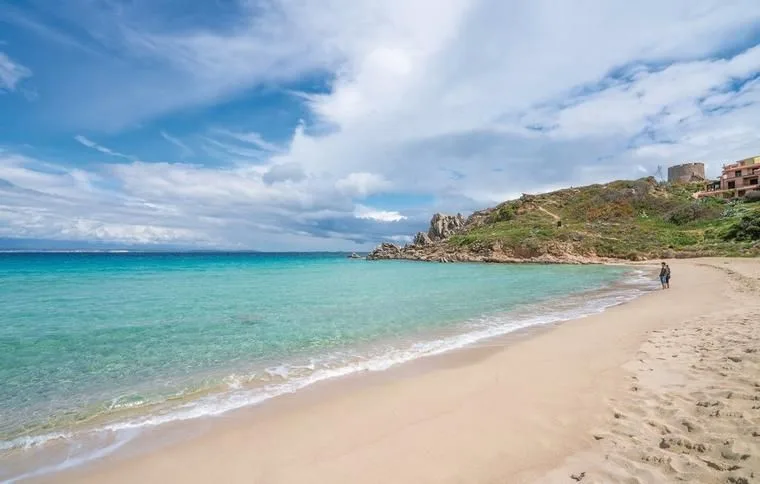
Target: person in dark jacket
point(667, 277)
point(664, 275)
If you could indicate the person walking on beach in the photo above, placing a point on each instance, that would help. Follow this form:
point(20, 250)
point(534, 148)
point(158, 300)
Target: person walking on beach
point(664, 272)
point(667, 276)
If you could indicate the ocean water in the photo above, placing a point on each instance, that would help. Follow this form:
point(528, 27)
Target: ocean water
point(105, 342)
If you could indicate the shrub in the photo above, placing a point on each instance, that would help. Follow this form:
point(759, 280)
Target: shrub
point(609, 211)
point(505, 213)
point(746, 228)
point(713, 202)
point(682, 238)
point(732, 209)
point(692, 212)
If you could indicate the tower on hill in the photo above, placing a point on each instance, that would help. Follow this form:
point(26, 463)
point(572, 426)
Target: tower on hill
point(686, 173)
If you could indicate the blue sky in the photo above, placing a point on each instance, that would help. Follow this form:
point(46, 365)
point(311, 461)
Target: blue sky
point(335, 125)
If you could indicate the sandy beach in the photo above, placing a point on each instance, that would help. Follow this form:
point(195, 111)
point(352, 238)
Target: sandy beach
point(663, 389)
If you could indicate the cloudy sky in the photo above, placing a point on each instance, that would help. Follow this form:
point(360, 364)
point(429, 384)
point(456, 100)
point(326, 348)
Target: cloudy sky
point(333, 125)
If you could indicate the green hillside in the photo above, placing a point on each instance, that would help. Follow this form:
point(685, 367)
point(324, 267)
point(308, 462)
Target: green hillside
point(633, 220)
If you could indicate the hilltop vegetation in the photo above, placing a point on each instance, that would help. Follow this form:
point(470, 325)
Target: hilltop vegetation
point(624, 219)
point(634, 220)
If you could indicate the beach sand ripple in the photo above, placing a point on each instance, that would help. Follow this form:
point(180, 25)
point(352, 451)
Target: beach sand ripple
point(692, 409)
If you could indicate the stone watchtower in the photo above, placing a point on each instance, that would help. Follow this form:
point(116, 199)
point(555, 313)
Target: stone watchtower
point(686, 173)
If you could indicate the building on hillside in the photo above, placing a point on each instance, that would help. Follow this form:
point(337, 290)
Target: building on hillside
point(741, 176)
point(736, 180)
point(713, 185)
point(686, 173)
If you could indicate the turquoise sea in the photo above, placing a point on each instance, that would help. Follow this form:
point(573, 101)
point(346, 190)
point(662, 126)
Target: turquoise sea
point(110, 342)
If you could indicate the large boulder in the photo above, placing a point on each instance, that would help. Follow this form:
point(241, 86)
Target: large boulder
point(444, 226)
point(424, 246)
point(385, 251)
point(422, 239)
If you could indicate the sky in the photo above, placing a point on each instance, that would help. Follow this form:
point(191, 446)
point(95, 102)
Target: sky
point(291, 125)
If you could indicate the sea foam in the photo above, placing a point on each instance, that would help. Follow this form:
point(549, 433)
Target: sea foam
point(289, 378)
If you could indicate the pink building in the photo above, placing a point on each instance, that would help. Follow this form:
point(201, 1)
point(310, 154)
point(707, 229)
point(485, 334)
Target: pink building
point(737, 179)
point(741, 176)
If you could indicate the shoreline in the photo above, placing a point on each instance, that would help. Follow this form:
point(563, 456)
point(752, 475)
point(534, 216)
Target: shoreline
point(98, 441)
point(464, 257)
point(465, 415)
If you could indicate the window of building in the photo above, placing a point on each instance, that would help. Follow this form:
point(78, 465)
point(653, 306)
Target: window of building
point(731, 185)
point(753, 181)
point(738, 173)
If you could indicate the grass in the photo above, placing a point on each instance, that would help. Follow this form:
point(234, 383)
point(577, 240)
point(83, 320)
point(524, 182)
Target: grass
point(622, 219)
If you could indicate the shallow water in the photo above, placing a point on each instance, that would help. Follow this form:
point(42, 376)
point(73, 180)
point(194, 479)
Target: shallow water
point(115, 342)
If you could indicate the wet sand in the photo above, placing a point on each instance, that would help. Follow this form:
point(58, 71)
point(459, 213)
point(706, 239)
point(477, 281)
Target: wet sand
point(660, 389)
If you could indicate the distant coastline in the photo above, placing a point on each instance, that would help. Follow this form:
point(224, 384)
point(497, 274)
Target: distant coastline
point(169, 251)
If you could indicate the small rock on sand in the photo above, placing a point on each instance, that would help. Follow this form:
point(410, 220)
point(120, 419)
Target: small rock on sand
point(578, 477)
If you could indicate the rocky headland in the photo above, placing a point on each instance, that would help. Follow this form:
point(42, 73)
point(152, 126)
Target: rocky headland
point(434, 246)
point(624, 220)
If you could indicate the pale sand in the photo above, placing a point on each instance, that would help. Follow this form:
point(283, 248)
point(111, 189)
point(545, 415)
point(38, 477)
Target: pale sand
point(662, 389)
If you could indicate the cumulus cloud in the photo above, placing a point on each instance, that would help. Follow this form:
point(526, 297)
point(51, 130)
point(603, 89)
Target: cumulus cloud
point(43, 201)
point(663, 97)
point(516, 98)
point(362, 184)
point(378, 215)
point(182, 204)
point(284, 172)
point(11, 73)
point(463, 108)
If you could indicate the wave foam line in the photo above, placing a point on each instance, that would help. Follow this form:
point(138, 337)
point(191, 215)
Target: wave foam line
point(214, 405)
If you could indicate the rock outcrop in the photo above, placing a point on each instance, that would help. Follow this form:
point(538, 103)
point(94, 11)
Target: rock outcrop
point(386, 250)
point(441, 228)
point(432, 246)
point(444, 226)
point(422, 239)
point(495, 252)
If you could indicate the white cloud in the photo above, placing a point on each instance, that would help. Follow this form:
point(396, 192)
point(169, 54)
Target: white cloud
point(15, 15)
point(184, 149)
point(362, 184)
point(11, 73)
point(183, 204)
point(378, 215)
point(233, 152)
point(91, 144)
point(84, 229)
point(401, 239)
point(411, 106)
point(284, 172)
point(252, 138)
point(670, 95)
point(462, 103)
point(39, 200)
